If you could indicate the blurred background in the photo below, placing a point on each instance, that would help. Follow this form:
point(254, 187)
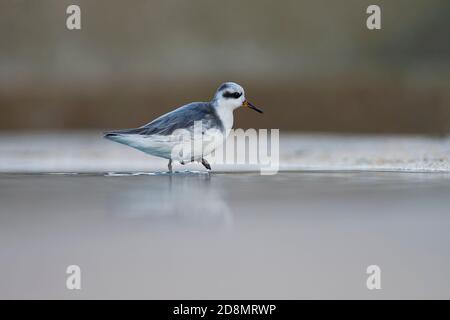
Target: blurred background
point(347, 101)
point(312, 65)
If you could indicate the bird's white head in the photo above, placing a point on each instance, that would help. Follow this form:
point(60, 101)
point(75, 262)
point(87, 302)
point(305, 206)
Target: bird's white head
point(230, 96)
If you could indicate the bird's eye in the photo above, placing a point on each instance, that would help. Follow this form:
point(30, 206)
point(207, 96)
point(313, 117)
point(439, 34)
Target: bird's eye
point(234, 95)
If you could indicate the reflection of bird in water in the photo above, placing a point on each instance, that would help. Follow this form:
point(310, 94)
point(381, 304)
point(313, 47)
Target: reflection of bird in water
point(162, 136)
point(181, 198)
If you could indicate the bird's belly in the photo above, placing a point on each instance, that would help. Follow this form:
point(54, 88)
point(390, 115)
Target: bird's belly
point(199, 146)
point(211, 142)
point(175, 147)
point(160, 146)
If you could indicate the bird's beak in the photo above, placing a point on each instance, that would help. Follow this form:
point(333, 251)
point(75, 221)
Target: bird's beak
point(249, 105)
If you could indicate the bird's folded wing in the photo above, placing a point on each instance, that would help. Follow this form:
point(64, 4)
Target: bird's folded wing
point(181, 118)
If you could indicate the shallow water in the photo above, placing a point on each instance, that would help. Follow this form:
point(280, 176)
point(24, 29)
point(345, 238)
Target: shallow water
point(220, 235)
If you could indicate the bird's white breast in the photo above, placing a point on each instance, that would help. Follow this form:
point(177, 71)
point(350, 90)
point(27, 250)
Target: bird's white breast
point(226, 116)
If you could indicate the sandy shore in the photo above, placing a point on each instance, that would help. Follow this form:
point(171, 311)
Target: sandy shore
point(87, 151)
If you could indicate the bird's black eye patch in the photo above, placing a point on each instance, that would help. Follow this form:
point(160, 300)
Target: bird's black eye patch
point(234, 95)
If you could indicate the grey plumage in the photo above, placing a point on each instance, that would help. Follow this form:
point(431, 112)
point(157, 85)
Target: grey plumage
point(224, 86)
point(166, 137)
point(181, 118)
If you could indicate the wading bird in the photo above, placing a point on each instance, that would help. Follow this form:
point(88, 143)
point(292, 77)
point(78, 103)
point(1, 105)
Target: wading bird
point(165, 136)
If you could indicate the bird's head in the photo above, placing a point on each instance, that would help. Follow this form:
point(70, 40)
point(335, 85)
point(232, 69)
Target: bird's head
point(231, 95)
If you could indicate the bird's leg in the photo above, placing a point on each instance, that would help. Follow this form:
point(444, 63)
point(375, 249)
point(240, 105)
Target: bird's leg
point(170, 165)
point(206, 164)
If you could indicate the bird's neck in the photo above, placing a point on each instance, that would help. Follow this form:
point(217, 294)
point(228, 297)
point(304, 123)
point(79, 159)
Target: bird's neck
point(225, 114)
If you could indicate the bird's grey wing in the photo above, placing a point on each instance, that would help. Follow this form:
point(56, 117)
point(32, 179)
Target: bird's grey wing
point(181, 118)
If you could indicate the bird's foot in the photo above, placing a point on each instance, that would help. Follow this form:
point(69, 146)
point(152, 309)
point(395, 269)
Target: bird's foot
point(170, 165)
point(206, 164)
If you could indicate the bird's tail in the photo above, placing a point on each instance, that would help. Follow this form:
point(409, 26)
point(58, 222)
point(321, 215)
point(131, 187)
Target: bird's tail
point(113, 135)
point(121, 133)
point(110, 134)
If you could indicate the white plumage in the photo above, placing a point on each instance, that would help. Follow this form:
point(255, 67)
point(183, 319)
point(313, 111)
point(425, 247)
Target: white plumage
point(190, 132)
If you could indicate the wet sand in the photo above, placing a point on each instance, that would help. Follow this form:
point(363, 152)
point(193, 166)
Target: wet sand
point(87, 151)
point(225, 235)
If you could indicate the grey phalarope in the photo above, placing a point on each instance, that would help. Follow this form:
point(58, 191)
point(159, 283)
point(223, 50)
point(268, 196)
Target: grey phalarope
point(162, 136)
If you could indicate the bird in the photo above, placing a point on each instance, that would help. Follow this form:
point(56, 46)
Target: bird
point(161, 137)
